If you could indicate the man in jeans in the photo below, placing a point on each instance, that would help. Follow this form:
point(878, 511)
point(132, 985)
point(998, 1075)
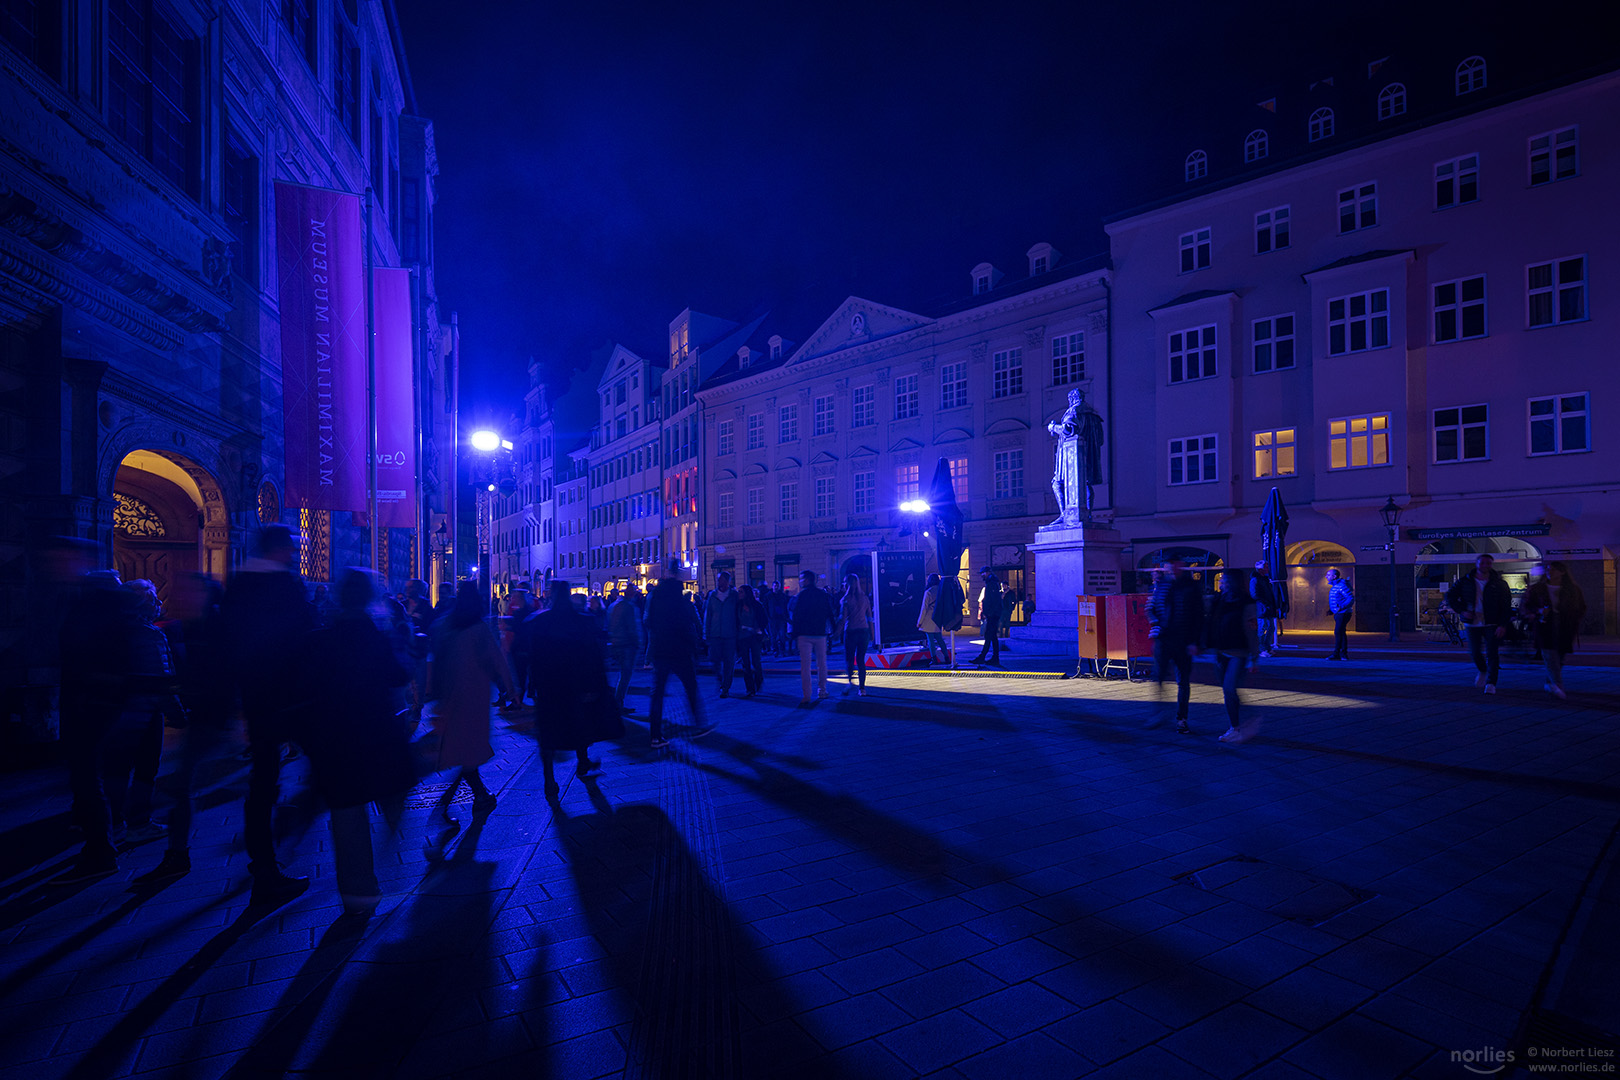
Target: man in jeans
point(1484, 603)
point(810, 616)
point(624, 641)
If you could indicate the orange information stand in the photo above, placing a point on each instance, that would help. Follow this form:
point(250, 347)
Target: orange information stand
point(1129, 648)
point(1093, 623)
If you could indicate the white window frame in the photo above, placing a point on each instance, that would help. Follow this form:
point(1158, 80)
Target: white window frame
point(823, 415)
point(1270, 450)
point(1456, 174)
point(1470, 75)
point(787, 423)
point(1392, 101)
point(1460, 426)
point(756, 431)
point(787, 501)
point(1458, 308)
point(1555, 289)
point(826, 489)
point(1200, 344)
point(1547, 146)
point(1558, 416)
point(1202, 452)
point(726, 510)
point(1371, 320)
point(1320, 125)
point(1007, 373)
point(1374, 427)
point(906, 403)
point(959, 478)
point(1256, 145)
point(865, 492)
point(1196, 167)
point(863, 406)
point(953, 385)
point(1271, 229)
point(1272, 335)
point(1197, 250)
point(1068, 358)
point(1362, 202)
point(725, 443)
point(1009, 473)
point(756, 506)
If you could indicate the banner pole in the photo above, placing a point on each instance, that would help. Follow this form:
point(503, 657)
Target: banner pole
point(371, 392)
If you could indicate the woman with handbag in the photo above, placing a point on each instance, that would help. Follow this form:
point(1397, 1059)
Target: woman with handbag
point(466, 659)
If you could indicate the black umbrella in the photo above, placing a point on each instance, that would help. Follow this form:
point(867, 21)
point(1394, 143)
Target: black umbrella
point(1273, 535)
point(948, 541)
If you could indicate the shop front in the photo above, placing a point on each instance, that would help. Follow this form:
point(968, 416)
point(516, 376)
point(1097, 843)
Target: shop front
point(1308, 564)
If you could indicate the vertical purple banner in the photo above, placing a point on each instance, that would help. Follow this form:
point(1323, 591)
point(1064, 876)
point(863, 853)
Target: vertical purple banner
point(396, 395)
point(320, 262)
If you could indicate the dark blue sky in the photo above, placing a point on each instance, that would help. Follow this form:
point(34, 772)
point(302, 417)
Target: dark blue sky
point(603, 167)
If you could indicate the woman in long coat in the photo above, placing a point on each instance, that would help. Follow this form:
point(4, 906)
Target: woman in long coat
point(574, 706)
point(466, 659)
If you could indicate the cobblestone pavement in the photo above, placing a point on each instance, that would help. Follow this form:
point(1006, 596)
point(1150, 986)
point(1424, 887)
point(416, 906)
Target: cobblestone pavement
point(952, 877)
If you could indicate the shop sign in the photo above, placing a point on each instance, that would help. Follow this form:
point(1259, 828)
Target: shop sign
point(1575, 551)
point(1474, 532)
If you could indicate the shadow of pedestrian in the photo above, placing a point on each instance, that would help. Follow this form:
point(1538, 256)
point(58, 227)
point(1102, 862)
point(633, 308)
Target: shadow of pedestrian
point(31, 844)
point(76, 941)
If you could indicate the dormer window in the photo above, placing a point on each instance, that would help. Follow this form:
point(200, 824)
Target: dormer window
point(743, 355)
point(1392, 101)
point(1321, 125)
point(1037, 265)
point(985, 277)
point(981, 283)
point(1257, 145)
point(1041, 259)
point(776, 346)
point(1470, 75)
point(1197, 166)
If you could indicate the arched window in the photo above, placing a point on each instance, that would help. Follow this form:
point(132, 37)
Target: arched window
point(1321, 125)
point(1256, 146)
point(1392, 100)
point(1470, 75)
point(1197, 165)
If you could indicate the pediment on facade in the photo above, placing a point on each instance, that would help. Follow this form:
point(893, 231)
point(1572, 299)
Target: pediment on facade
point(727, 474)
point(951, 435)
point(788, 462)
point(754, 469)
point(822, 458)
point(863, 451)
point(907, 443)
point(857, 322)
point(1006, 423)
point(621, 361)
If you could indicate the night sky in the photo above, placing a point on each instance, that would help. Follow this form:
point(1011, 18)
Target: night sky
point(605, 166)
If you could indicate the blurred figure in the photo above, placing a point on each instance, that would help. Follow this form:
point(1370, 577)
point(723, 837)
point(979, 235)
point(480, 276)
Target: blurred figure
point(776, 606)
point(624, 642)
point(673, 635)
point(855, 615)
point(931, 632)
point(1554, 606)
point(95, 646)
point(135, 743)
point(752, 623)
point(325, 610)
point(1264, 593)
point(810, 618)
point(203, 685)
point(1233, 635)
point(466, 660)
point(357, 745)
point(576, 707)
point(265, 618)
point(1176, 618)
point(720, 629)
point(1484, 603)
point(990, 601)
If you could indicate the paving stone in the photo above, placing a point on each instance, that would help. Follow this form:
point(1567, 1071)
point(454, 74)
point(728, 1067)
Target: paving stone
point(940, 1040)
point(1355, 1048)
point(944, 947)
point(845, 1023)
point(1233, 1041)
point(1107, 1032)
point(941, 989)
point(1018, 1010)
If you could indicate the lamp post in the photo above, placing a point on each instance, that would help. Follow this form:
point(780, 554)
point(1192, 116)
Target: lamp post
point(1391, 515)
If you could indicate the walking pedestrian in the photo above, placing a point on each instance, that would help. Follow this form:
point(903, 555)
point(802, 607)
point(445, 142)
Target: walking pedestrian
point(1484, 603)
point(776, 605)
point(751, 630)
point(1341, 605)
point(358, 745)
point(855, 615)
point(576, 705)
point(624, 642)
point(1176, 626)
point(135, 743)
point(931, 632)
point(1233, 635)
point(673, 635)
point(1555, 606)
point(466, 660)
point(1263, 591)
point(720, 627)
point(810, 617)
point(266, 616)
point(989, 618)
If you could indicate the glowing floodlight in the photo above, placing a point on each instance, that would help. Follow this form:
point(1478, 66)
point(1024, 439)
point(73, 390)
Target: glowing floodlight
point(486, 441)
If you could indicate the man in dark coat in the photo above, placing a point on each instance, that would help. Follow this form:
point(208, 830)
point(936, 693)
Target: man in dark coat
point(1176, 617)
point(721, 628)
point(990, 602)
point(1484, 603)
point(574, 706)
point(265, 616)
point(673, 633)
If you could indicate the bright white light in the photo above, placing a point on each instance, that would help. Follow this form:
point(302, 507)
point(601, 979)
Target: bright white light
point(485, 440)
point(914, 506)
point(506, 444)
point(492, 487)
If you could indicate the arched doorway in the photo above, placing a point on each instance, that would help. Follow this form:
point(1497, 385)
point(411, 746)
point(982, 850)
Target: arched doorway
point(168, 519)
point(1201, 562)
point(1308, 564)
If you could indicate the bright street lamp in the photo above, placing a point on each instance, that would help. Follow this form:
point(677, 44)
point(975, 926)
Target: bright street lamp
point(915, 506)
point(485, 441)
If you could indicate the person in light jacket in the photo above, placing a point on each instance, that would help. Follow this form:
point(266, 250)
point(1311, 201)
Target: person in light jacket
point(1342, 604)
point(925, 622)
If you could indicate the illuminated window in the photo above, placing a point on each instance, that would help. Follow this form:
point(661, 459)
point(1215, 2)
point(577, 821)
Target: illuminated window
point(907, 483)
point(959, 479)
point(1358, 442)
point(1274, 453)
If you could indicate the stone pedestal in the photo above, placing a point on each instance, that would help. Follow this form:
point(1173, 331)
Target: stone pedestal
point(1071, 561)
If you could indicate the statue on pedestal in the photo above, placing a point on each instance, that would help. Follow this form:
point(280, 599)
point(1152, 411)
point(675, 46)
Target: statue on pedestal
point(1078, 462)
